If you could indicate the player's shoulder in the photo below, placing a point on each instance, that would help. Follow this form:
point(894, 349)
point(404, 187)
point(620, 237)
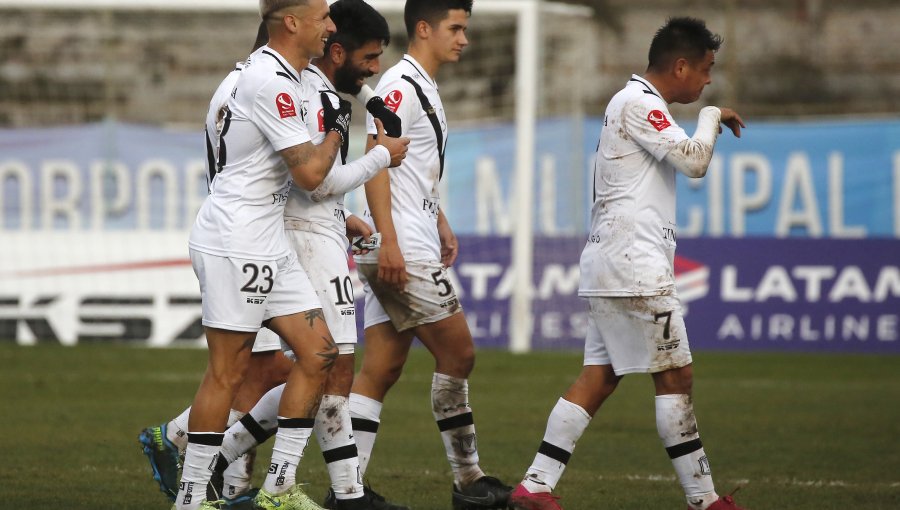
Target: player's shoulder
point(266, 67)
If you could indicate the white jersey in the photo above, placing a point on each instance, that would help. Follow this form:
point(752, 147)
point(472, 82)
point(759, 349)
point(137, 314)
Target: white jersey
point(631, 248)
point(328, 215)
point(243, 216)
point(415, 200)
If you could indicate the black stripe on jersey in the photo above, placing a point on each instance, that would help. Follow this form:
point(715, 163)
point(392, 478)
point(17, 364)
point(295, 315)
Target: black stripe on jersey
point(682, 449)
point(279, 73)
point(421, 72)
point(290, 75)
point(256, 430)
point(646, 90)
point(207, 438)
point(340, 453)
point(364, 425)
point(455, 422)
point(554, 452)
point(210, 159)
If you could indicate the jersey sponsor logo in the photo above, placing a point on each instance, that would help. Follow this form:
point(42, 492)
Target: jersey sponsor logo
point(393, 100)
point(658, 120)
point(321, 117)
point(285, 104)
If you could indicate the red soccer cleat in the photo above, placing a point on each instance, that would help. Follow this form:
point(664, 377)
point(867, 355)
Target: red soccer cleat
point(724, 503)
point(521, 499)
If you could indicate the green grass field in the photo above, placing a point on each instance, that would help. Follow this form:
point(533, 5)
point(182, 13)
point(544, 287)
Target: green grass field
point(795, 432)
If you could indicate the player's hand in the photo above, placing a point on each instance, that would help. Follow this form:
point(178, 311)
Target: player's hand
point(392, 124)
point(396, 146)
point(337, 120)
point(391, 266)
point(732, 120)
point(356, 227)
point(449, 244)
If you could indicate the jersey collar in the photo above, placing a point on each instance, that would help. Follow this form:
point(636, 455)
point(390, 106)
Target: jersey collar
point(648, 87)
point(415, 63)
point(266, 50)
point(313, 69)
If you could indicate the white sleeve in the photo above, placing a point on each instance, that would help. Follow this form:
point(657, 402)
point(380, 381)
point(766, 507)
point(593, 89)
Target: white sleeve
point(400, 97)
point(276, 112)
point(344, 178)
point(692, 156)
point(649, 123)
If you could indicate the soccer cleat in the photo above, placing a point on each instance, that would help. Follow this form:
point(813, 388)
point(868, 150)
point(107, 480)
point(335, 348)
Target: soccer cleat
point(371, 500)
point(521, 499)
point(206, 505)
point(163, 457)
point(293, 499)
point(724, 503)
point(486, 492)
point(241, 502)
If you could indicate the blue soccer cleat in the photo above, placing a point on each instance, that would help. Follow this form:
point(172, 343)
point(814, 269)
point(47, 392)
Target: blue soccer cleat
point(163, 457)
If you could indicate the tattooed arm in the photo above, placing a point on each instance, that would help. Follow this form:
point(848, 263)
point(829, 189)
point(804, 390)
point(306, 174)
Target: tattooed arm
point(309, 163)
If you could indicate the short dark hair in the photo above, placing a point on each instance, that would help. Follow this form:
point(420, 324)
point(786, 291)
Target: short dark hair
point(431, 12)
point(262, 36)
point(357, 23)
point(681, 38)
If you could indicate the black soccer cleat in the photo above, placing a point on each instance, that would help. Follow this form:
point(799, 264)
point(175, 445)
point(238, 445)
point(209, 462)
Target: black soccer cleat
point(371, 500)
point(486, 492)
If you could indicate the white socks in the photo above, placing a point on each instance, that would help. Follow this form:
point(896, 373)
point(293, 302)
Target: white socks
point(450, 406)
point(290, 441)
point(335, 435)
point(199, 459)
point(364, 415)
point(177, 430)
point(564, 427)
point(677, 428)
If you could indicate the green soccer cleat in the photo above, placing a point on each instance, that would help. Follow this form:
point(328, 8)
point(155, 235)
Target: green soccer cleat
point(293, 499)
point(206, 505)
point(163, 457)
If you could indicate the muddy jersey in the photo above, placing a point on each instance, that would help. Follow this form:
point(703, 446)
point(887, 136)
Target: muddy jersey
point(631, 248)
point(415, 200)
point(243, 216)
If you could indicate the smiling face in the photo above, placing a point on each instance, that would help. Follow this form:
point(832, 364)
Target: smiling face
point(360, 64)
point(313, 26)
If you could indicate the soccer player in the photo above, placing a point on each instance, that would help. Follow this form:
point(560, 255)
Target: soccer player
point(636, 322)
point(247, 271)
point(408, 293)
point(268, 367)
point(315, 224)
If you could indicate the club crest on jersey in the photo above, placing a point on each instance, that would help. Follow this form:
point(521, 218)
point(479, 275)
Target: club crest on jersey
point(658, 120)
point(285, 104)
point(393, 100)
point(321, 117)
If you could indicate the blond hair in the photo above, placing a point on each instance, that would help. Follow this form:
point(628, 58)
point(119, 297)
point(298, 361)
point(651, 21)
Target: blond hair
point(269, 7)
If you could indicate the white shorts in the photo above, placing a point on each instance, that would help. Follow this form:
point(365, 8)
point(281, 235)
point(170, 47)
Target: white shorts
point(428, 297)
point(637, 334)
point(325, 261)
point(239, 294)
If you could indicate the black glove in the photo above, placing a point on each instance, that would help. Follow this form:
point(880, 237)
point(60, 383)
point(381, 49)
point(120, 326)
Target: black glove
point(389, 119)
point(337, 120)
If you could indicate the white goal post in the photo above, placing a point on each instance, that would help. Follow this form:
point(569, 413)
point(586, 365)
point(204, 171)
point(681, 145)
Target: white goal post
point(528, 57)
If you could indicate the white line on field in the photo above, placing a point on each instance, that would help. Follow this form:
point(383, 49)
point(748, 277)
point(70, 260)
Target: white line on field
point(768, 481)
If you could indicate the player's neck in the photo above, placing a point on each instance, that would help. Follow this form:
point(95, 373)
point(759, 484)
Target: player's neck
point(661, 84)
point(430, 64)
point(297, 61)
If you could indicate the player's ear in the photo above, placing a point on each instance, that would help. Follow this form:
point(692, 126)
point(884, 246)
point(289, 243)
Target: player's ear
point(679, 68)
point(423, 29)
point(337, 54)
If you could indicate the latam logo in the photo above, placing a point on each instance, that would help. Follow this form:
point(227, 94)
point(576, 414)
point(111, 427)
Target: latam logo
point(393, 100)
point(658, 120)
point(285, 104)
point(691, 279)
